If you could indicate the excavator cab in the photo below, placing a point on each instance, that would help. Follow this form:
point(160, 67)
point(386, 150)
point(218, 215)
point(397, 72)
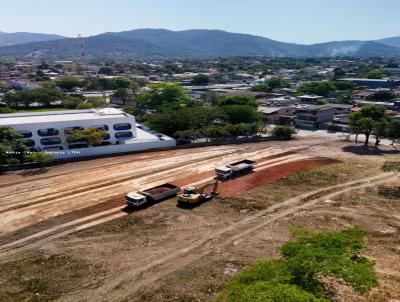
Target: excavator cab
point(190, 191)
point(194, 196)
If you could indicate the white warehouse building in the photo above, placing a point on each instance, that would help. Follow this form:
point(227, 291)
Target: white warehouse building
point(48, 131)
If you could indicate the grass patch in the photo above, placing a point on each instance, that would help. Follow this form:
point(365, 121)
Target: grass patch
point(391, 166)
point(389, 192)
point(39, 277)
point(294, 277)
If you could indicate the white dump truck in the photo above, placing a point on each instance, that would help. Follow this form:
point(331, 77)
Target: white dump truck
point(234, 169)
point(152, 195)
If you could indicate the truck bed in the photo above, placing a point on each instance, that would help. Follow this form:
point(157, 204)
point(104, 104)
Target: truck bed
point(242, 163)
point(162, 191)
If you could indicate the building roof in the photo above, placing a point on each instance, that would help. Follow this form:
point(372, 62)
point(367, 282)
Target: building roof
point(269, 110)
point(310, 107)
point(59, 116)
point(313, 96)
point(343, 106)
point(368, 80)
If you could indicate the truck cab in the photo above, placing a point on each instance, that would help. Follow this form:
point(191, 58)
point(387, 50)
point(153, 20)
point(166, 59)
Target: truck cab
point(134, 199)
point(223, 172)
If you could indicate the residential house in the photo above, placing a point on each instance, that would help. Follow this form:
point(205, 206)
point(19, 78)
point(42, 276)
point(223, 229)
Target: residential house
point(314, 116)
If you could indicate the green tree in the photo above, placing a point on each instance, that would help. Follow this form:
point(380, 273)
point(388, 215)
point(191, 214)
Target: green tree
point(380, 130)
point(26, 98)
point(91, 136)
point(160, 96)
point(106, 70)
point(172, 121)
point(277, 82)
point(394, 130)
point(383, 95)
point(12, 150)
point(366, 125)
point(283, 131)
point(346, 98)
point(240, 99)
point(241, 114)
point(70, 83)
point(365, 120)
point(200, 79)
point(339, 73)
point(319, 88)
point(262, 87)
point(375, 74)
point(123, 94)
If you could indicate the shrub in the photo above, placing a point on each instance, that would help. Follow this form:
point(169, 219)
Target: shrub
point(6, 110)
point(41, 158)
point(388, 192)
point(283, 132)
point(294, 278)
point(391, 166)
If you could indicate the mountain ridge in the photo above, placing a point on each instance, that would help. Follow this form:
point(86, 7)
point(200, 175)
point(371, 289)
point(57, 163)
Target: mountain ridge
point(160, 43)
point(10, 39)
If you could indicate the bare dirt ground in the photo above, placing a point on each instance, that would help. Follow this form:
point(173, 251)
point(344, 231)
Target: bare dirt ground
point(64, 236)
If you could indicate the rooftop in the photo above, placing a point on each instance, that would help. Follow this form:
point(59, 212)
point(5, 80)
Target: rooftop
point(269, 110)
point(368, 80)
point(59, 116)
point(312, 96)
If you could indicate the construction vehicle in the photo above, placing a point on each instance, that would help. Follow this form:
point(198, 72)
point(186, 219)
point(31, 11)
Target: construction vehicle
point(192, 196)
point(152, 195)
point(234, 169)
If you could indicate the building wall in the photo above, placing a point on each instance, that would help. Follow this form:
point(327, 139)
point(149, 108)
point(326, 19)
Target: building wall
point(62, 125)
point(113, 149)
point(274, 117)
point(314, 118)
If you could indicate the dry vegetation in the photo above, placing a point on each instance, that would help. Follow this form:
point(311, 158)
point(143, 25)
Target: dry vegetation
point(105, 261)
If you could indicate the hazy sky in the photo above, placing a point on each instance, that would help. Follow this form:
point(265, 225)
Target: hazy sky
point(302, 21)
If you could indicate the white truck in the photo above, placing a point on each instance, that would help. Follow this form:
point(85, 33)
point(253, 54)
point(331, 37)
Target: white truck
point(152, 195)
point(234, 169)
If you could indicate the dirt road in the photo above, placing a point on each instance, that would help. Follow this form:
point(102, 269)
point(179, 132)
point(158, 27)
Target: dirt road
point(151, 271)
point(27, 198)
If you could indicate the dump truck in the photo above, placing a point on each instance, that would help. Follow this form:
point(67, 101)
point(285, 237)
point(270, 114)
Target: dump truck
point(152, 195)
point(234, 169)
point(192, 196)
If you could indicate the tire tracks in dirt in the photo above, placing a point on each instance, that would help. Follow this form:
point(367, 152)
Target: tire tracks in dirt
point(226, 236)
point(72, 226)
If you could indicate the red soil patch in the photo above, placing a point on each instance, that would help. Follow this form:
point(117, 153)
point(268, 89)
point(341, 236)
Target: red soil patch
point(158, 190)
point(201, 176)
point(247, 182)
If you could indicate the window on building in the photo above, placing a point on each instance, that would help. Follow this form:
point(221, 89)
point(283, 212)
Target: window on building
point(50, 141)
point(124, 134)
point(99, 128)
point(48, 132)
point(25, 134)
point(121, 127)
point(28, 142)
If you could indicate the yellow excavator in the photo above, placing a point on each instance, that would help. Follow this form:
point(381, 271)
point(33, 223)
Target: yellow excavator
point(192, 196)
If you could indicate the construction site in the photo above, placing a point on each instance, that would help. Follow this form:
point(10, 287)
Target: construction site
point(175, 225)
